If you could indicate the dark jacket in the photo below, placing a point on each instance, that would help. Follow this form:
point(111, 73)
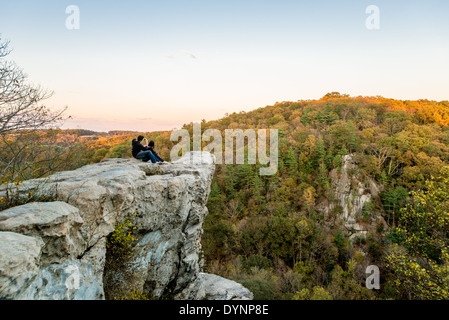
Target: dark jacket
point(137, 147)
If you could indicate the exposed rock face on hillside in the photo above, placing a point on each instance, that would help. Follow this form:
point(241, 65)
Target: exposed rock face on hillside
point(352, 193)
point(57, 250)
point(213, 287)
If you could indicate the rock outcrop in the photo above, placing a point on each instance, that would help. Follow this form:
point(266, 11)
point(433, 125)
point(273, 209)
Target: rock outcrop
point(353, 196)
point(213, 287)
point(57, 250)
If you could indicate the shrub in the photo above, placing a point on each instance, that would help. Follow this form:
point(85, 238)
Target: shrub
point(134, 295)
point(256, 261)
point(261, 289)
point(318, 293)
point(120, 242)
point(119, 245)
point(339, 239)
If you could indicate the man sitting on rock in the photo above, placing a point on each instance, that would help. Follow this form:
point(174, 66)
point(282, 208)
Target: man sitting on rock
point(143, 152)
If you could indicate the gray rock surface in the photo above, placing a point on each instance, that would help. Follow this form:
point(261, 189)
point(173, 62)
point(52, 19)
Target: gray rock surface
point(19, 262)
point(351, 192)
point(64, 242)
point(213, 287)
point(56, 223)
point(74, 279)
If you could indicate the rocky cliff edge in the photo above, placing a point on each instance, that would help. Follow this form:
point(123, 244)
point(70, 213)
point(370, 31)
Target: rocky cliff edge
point(58, 250)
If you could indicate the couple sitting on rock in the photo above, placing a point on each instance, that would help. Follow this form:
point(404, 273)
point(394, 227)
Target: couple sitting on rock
point(145, 152)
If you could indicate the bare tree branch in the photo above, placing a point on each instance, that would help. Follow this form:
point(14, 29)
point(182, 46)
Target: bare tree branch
point(20, 106)
point(28, 146)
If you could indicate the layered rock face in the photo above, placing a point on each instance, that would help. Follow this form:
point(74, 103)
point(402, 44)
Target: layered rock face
point(57, 250)
point(351, 193)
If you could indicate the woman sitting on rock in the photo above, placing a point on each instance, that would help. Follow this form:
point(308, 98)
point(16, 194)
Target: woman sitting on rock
point(151, 148)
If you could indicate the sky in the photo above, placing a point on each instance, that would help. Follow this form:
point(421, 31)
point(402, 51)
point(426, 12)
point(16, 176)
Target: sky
point(155, 65)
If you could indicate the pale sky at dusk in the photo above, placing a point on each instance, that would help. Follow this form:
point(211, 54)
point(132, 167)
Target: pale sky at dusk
point(154, 65)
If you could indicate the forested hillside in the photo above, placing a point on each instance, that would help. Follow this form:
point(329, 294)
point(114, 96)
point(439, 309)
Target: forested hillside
point(283, 236)
point(270, 233)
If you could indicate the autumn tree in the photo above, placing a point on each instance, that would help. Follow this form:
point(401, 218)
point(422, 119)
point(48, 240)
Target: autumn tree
point(420, 259)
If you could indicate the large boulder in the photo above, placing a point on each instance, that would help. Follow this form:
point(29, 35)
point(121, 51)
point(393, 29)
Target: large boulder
point(56, 223)
point(73, 279)
point(212, 287)
point(19, 262)
point(168, 207)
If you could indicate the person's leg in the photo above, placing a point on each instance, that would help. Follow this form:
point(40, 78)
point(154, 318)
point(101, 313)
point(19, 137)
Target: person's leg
point(146, 156)
point(151, 157)
point(157, 157)
point(141, 155)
